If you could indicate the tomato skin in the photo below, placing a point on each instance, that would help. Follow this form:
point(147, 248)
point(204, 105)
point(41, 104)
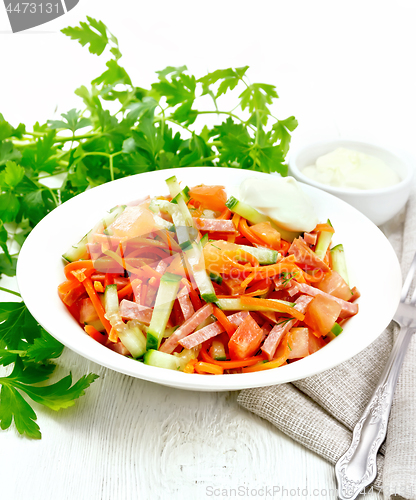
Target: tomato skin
point(211, 197)
point(335, 285)
point(265, 232)
point(322, 314)
point(246, 340)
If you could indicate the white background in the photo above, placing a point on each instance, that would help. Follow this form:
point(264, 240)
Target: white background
point(343, 69)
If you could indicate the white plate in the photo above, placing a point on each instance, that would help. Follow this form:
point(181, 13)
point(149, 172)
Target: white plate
point(372, 264)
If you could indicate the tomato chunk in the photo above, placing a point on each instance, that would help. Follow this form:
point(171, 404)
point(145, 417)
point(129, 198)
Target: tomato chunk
point(246, 340)
point(315, 343)
point(335, 285)
point(322, 314)
point(87, 313)
point(298, 343)
point(211, 197)
point(265, 232)
point(305, 256)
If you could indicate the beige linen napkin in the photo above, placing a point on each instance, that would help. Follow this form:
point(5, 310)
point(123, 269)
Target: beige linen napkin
point(321, 411)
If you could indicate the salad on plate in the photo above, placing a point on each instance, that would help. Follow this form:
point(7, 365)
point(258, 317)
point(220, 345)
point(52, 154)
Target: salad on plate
point(204, 283)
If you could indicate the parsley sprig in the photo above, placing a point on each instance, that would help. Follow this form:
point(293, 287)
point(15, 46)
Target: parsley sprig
point(26, 344)
point(123, 129)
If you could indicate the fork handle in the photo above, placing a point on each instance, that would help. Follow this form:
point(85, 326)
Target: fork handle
point(357, 468)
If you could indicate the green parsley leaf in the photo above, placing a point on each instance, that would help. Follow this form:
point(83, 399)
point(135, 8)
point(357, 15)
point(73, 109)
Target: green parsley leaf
point(73, 121)
point(146, 129)
point(93, 34)
point(14, 407)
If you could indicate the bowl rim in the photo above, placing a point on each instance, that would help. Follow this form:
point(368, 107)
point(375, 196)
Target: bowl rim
point(293, 168)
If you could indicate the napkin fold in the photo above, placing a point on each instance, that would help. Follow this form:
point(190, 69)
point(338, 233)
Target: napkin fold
point(320, 411)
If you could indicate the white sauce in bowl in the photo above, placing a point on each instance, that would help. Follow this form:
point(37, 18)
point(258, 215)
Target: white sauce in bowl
point(346, 168)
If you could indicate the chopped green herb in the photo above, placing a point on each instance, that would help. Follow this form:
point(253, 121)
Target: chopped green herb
point(215, 246)
point(289, 346)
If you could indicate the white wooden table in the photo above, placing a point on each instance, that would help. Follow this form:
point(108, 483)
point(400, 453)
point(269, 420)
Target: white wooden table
point(343, 70)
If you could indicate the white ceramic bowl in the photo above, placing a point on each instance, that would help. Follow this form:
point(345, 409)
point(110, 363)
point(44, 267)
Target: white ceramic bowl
point(379, 205)
point(40, 271)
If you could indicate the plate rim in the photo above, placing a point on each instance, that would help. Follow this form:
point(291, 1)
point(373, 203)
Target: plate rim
point(181, 380)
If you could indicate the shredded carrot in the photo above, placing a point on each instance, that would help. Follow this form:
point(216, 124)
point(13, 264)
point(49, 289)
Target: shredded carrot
point(259, 288)
point(87, 265)
point(225, 215)
point(95, 334)
point(148, 272)
point(113, 335)
point(89, 287)
point(273, 306)
point(127, 290)
point(98, 287)
point(202, 367)
point(228, 365)
point(196, 301)
point(236, 220)
point(66, 286)
point(247, 233)
point(73, 295)
point(190, 367)
point(225, 322)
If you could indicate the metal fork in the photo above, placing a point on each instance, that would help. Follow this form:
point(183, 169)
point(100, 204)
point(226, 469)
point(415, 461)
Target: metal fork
point(357, 468)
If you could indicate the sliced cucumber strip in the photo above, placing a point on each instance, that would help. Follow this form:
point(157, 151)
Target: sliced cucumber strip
point(96, 324)
point(166, 295)
point(237, 305)
point(217, 278)
point(338, 262)
point(255, 217)
point(193, 256)
point(130, 334)
point(265, 256)
point(183, 358)
point(76, 252)
point(324, 240)
point(204, 240)
point(133, 339)
point(176, 193)
point(217, 351)
point(111, 299)
point(160, 359)
point(183, 193)
point(185, 232)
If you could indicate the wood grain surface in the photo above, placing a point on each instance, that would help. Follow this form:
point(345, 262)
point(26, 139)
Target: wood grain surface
point(128, 439)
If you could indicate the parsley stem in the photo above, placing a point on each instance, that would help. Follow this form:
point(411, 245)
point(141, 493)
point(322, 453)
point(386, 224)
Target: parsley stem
point(55, 199)
point(111, 168)
point(179, 124)
point(229, 113)
point(64, 139)
point(10, 291)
